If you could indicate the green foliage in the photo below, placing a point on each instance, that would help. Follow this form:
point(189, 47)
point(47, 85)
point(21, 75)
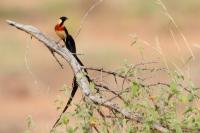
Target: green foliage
point(134, 89)
point(169, 104)
point(71, 129)
point(29, 124)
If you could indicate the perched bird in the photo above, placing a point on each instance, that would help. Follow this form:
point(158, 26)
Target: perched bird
point(62, 32)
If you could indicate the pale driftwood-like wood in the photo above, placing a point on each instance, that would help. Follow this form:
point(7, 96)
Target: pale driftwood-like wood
point(79, 72)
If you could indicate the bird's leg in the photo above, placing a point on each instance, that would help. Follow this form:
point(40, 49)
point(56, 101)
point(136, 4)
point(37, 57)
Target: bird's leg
point(58, 42)
point(62, 46)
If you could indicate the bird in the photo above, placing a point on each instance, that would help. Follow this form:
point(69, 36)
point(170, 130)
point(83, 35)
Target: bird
point(63, 33)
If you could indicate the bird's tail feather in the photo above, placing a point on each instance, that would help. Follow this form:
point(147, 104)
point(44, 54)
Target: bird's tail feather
point(74, 89)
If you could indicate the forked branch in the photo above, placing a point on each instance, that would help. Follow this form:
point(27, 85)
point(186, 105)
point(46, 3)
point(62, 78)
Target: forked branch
point(79, 73)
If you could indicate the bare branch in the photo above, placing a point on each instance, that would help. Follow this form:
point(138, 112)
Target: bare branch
point(106, 71)
point(63, 52)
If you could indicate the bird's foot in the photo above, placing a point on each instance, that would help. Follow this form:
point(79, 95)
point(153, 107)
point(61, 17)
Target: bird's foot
point(57, 42)
point(62, 46)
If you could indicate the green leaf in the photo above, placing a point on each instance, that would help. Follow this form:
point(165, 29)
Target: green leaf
point(29, 122)
point(92, 85)
point(178, 129)
point(192, 86)
point(71, 129)
point(85, 127)
point(182, 98)
point(134, 89)
point(64, 120)
point(190, 97)
point(173, 87)
point(130, 130)
point(188, 109)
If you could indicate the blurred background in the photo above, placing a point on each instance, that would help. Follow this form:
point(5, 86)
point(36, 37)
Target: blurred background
point(31, 80)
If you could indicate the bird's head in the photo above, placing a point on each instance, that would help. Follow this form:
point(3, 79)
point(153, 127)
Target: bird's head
point(62, 20)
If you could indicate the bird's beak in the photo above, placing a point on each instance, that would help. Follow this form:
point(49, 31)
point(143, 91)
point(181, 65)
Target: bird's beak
point(66, 18)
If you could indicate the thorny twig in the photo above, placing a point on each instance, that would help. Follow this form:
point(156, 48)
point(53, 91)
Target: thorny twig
point(116, 74)
point(108, 89)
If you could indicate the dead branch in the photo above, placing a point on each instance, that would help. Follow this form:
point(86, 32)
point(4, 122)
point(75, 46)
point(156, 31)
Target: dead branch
point(79, 73)
point(115, 74)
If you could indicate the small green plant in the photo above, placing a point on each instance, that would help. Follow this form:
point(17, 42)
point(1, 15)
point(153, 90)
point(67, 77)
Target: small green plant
point(169, 104)
point(29, 124)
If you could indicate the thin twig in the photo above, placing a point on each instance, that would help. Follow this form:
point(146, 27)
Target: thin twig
point(107, 88)
point(95, 4)
point(60, 64)
point(106, 71)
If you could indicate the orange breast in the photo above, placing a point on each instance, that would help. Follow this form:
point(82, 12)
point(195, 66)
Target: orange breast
point(59, 27)
point(60, 31)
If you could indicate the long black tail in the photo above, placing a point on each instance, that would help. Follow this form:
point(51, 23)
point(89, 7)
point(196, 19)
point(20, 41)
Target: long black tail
point(74, 89)
point(79, 61)
point(70, 44)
